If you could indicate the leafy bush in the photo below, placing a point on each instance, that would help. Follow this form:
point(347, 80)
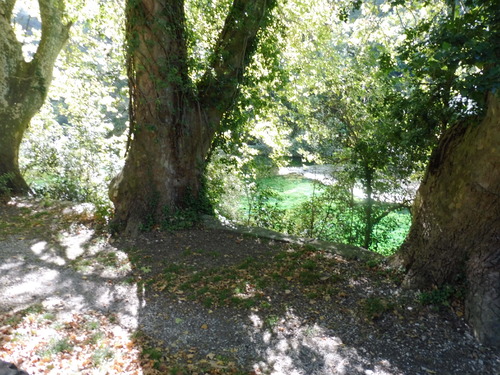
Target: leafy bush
point(180, 219)
point(228, 179)
point(391, 231)
point(333, 215)
point(262, 209)
point(71, 149)
point(440, 296)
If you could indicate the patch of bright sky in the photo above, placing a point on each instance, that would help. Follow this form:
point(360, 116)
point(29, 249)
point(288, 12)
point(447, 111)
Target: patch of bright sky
point(25, 21)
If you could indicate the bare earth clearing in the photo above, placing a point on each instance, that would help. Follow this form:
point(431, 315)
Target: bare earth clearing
point(211, 301)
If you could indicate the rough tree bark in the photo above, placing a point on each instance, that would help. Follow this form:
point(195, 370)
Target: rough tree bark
point(456, 227)
point(24, 85)
point(173, 121)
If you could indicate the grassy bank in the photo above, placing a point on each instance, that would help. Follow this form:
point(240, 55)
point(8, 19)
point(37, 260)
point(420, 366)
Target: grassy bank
point(301, 206)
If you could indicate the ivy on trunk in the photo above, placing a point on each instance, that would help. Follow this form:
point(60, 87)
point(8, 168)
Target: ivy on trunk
point(173, 119)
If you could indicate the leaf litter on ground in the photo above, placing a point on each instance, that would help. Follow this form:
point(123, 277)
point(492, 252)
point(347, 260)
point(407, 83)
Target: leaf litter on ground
point(256, 277)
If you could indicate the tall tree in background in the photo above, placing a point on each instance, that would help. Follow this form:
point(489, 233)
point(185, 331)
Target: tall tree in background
point(24, 85)
point(173, 118)
point(455, 233)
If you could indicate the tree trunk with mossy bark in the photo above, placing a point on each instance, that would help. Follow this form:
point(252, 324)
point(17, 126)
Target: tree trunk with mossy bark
point(24, 85)
point(456, 228)
point(173, 120)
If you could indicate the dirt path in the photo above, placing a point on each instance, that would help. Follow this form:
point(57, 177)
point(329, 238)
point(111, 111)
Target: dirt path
point(211, 301)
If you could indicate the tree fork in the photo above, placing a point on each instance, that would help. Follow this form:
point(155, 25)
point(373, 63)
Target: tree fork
point(173, 123)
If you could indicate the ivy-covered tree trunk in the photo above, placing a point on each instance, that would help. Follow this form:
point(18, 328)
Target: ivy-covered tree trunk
point(173, 121)
point(456, 228)
point(24, 85)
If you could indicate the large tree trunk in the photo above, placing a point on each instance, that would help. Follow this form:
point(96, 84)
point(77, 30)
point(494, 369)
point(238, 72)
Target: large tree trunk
point(173, 122)
point(24, 85)
point(456, 228)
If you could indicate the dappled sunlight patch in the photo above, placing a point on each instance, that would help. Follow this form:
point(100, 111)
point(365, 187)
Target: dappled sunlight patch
point(39, 247)
point(83, 211)
point(41, 252)
point(257, 322)
point(42, 342)
point(246, 291)
point(45, 217)
point(75, 243)
point(110, 262)
point(23, 289)
point(292, 343)
point(46, 253)
point(28, 277)
point(11, 265)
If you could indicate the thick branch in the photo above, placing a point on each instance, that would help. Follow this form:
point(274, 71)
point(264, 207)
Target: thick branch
point(157, 55)
point(10, 47)
point(6, 8)
point(392, 208)
point(55, 33)
point(233, 51)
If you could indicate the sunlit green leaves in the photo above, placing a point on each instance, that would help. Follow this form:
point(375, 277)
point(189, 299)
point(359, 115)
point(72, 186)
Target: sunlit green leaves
point(73, 148)
point(454, 58)
point(204, 22)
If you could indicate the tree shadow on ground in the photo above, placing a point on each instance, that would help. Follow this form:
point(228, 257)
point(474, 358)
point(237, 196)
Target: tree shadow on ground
point(66, 306)
point(207, 301)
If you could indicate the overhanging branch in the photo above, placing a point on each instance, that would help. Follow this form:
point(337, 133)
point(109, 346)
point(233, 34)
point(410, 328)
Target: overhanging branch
point(233, 51)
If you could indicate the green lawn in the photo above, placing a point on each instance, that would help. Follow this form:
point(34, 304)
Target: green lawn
point(293, 189)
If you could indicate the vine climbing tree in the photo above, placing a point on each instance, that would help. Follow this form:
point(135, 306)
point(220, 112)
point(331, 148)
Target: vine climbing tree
point(174, 118)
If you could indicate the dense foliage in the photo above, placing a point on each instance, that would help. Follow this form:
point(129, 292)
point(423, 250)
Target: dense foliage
point(366, 87)
point(74, 146)
point(336, 106)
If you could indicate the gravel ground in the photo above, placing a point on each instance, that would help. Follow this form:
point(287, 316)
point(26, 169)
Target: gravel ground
point(351, 319)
